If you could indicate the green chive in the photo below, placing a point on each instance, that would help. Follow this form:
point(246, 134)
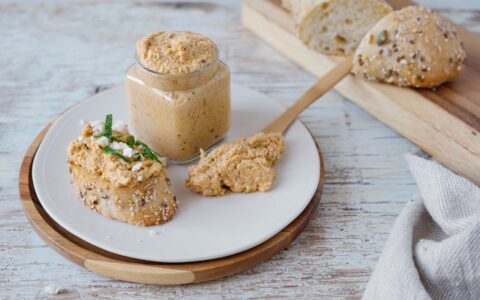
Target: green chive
point(131, 141)
point(147, 151)
point(108, 149)
point(108, 127)
point(137, 157)
point(108, 124)
point(103, 134)
point(116, 138)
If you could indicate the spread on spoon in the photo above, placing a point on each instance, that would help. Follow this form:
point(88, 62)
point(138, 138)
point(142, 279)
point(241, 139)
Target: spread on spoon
point(244, 166)
point(119, 176)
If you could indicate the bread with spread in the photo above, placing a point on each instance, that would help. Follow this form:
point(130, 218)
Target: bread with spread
point(411, 47)
point(335, 27)
point(120, 177)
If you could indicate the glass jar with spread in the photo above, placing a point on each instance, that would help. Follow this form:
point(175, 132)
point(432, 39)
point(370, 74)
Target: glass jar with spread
point(178, 94)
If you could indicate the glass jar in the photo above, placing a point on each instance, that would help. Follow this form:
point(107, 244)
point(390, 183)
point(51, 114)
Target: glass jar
point(180, 113)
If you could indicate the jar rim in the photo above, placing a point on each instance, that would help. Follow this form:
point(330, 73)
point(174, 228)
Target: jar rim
point(216, 59)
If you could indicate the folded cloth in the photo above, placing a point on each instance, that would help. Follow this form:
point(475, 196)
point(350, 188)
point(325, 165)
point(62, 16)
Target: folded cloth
point(433, 251)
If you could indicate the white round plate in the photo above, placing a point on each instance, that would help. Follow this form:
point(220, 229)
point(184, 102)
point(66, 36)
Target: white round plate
point(203, 228)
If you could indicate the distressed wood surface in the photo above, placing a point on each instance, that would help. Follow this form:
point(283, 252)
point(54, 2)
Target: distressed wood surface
point(54, 54)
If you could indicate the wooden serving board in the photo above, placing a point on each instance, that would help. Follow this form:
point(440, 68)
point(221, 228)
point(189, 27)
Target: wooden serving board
point(133, 270)
point(444, 122)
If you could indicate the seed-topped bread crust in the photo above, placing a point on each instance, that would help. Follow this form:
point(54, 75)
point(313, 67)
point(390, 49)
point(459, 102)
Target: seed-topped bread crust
point(411, 47)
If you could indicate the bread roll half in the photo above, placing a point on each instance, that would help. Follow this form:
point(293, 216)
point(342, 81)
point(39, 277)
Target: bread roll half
point(411, 47)
point(335, 27)
point(130, 187)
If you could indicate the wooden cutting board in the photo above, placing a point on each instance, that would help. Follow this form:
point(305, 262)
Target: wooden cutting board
point(444, 122)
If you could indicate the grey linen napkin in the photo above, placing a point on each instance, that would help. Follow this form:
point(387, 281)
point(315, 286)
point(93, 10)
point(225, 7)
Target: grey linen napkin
point(433, 251)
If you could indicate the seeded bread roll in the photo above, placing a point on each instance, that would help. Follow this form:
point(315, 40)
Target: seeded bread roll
point(335, 27)
point(411, 47)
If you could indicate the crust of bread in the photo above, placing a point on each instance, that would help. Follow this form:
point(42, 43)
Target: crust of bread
point(335, 27)
point(411, 47)
point(151, 202)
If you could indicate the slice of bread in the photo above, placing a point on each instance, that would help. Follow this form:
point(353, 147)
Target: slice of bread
point(150, 202)
point(335, 27)
point(411, 47)
point(122, 187)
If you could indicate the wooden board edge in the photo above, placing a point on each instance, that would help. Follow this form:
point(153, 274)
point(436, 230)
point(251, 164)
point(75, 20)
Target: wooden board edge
point(140, 273)
point(132, 270)
point(376, 98)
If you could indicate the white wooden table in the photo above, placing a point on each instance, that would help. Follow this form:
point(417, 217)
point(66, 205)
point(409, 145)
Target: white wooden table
point(57, 53)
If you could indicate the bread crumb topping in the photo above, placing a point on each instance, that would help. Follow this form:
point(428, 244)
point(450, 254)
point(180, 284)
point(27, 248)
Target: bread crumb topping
point(176, 52)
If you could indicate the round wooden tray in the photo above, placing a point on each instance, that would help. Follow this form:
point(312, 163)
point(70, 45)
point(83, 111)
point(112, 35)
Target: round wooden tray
point(133, 270)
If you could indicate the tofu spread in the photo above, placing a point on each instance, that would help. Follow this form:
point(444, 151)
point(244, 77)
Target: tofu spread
point(243, 166)
point(119, 176)
point(176, 52)
point(178, 94)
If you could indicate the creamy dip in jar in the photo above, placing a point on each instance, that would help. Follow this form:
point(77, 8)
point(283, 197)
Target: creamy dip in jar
point(178, 94)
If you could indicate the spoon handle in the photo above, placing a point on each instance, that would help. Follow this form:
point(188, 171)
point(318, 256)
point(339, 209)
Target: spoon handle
point(319, 88)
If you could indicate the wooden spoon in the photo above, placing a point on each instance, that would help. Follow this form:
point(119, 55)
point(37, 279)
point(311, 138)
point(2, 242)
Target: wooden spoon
point(319, 88)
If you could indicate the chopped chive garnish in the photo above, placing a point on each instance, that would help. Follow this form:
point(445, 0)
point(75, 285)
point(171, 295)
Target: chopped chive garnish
point(131, 141)
point(102, 134)
point(116, 138)
point(108, 127)
point(108, 149)
point(108, 124)
point(148, 152)
point(137, 157)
